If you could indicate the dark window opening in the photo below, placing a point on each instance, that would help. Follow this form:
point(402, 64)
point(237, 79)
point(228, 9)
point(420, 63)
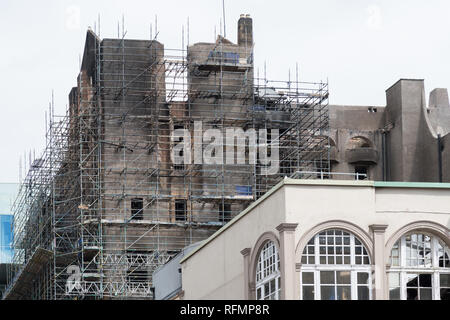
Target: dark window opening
point(361, 173)
point(137, 209)
point(180, 210)
point(179, 166)
point(225, 212)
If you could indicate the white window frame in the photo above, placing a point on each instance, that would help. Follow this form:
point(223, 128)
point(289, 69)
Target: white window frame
point(273, 276)
point(352, 267)
point(403, 270)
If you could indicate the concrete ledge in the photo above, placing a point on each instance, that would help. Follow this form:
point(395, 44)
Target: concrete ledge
point(420, 185)
point(362, 155)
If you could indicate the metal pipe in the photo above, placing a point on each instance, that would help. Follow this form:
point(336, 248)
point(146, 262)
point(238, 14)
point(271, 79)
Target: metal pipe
point(439, 143)
point(384, 153)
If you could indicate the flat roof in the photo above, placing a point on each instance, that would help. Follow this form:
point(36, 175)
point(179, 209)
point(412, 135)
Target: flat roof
point(318, 182)
point(404, 79)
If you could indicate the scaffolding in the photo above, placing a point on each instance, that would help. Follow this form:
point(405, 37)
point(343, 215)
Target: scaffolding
point(106, 204)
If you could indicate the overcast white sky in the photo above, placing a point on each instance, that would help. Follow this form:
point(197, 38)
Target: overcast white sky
point(361, 46)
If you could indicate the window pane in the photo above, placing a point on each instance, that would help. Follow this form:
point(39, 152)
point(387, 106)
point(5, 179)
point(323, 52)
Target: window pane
point(344, 293)
point(343, 277)
point(363, 278)
point(425, 280)
point(444, 262)
point(394, 279)
point(308, 293)
point(308, 278)
point(327, 277)
point(411, 294)
point(327, 293)
point(363, 293)
point(445, 294)
point(425, 294)
point(412, 280)
point(272, 285)
point(445, 280)
point(394, 294)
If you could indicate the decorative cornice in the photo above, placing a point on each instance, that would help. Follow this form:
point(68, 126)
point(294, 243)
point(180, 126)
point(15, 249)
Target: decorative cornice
point(246, 252)
point(287, 227)
point(378, 228)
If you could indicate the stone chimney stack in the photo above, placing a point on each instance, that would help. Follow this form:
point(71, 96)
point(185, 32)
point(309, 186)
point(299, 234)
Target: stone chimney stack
point(245, 31)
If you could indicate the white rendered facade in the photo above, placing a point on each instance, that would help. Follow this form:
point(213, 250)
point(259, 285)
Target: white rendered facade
point(334, 240)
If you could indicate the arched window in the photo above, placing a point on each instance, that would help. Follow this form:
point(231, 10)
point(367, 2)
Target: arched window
point(335, 266)
point(419, 268)
point(268, 273)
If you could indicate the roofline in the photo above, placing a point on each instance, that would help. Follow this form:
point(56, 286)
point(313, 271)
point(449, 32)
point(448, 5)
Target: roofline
point(404, 79)
point(316, 182)
point(419, 185)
